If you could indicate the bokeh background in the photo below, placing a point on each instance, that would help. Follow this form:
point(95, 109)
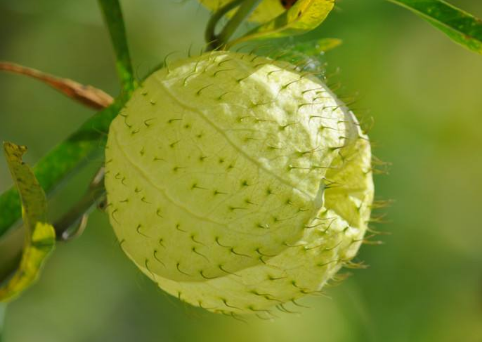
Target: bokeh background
point(425, 96)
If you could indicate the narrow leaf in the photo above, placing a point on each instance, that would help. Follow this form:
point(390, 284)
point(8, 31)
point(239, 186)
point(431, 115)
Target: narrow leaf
point(114, 20)
point(40, 236)
point(317, 47)
point(36, 250)
point(302, 17)
point(460, 26)
point(89, 140)
point(267, 10)
point(31, 193)
point(310, 53)
point(85, 94)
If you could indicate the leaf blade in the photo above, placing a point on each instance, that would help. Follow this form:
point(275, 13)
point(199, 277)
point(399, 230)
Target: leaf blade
point(316, 47)
point(31, 193)
point(462, 27)
point(309, 53)
point(68, 156)
point(302, 17)
point(40, 236)
point(62, 161)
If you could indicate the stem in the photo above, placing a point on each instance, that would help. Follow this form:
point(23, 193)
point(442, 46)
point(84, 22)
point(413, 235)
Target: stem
point(243, 12)
point(114, 20)
point(73, 223)
point(210, 34)
point(246, 7)
point(64, 160)
point(70, 155)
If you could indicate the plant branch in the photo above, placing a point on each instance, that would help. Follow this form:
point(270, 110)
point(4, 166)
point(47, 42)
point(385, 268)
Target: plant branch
point(243, 12)
point(70, 155)
point(114, 20)
point(73, 223)
point(210, 34)
point(246, 7)
point(66, 158)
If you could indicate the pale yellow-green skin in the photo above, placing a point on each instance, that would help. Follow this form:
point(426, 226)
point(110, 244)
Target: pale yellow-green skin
point(237, 183)
point(267, 9)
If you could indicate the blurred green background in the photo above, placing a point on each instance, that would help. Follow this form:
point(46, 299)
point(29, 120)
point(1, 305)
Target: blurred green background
point(425, 95)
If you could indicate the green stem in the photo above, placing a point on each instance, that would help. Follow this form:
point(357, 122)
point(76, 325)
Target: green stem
point(68, 157)
point(90, 139)
point(210, 34)
point(114, 20)
point(246, 7)
point(244, 11)
point(74, 221)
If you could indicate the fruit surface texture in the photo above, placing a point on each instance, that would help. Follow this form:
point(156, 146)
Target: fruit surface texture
point(238, 183)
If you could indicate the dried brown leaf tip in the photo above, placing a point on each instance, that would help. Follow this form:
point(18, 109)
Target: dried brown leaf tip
point(85, 94)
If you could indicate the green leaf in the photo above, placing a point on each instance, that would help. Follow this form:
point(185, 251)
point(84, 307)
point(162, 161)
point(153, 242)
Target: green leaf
point(90, 138)
point(62, 161)
point(309, 53)
point(460, 26)
point(302, 17)
point(115, 22)
point(267, 10)
point(317, 47)
point(40, 236)
point(245, 9)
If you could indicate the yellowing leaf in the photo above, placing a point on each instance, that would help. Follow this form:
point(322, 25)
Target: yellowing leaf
point(266, 11)
point(302, 17)
point(40, 236)
point(38, 247)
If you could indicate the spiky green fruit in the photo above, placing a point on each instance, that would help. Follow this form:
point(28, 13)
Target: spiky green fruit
point(237, 183)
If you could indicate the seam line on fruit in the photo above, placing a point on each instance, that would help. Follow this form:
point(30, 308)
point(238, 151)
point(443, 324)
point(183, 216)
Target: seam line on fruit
point(237, 148)
point(202, 218)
